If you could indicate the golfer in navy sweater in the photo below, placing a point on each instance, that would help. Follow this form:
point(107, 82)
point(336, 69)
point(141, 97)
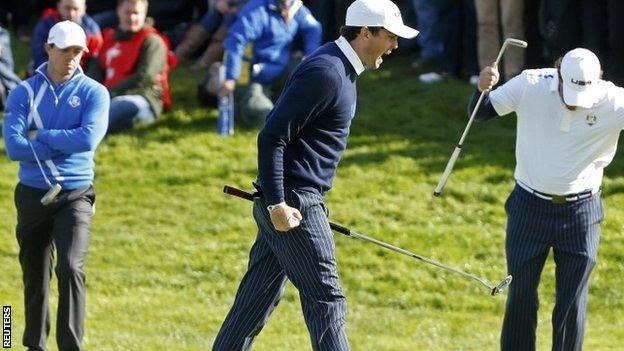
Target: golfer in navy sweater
point(298, 151)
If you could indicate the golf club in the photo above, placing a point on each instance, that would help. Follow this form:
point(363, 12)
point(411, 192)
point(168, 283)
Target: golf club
point(493, 289)
point(55, 189)
point(457, 151)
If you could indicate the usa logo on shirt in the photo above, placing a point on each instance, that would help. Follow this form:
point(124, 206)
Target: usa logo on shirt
point(74, 101)
point(591, 119)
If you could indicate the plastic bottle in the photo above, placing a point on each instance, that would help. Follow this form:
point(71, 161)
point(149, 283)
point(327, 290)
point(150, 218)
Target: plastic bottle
point(225, 121)
point(225, 106)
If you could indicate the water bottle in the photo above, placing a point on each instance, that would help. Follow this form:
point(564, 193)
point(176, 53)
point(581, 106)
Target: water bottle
point(225, 121)
point(225, 106)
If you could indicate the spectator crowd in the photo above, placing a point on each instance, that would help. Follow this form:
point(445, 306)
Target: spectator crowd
point(134, 44)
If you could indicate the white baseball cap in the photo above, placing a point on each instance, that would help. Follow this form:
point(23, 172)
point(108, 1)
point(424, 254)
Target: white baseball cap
point(67, 33)
point(580, 73)
point(378, 13)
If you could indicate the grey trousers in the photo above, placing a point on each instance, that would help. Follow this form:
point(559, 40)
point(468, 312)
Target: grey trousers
point(494, 16)
point(306, 256)
point(63, 225)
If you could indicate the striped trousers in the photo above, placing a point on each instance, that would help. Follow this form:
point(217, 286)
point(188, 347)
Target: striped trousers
point(534, 226)
point(306, 256)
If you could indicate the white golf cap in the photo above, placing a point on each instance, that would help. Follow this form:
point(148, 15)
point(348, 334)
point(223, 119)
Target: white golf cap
point(67, 33)
point(378, 13)
point(580, 72)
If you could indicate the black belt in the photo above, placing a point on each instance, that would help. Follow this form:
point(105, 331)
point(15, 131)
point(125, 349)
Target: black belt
point(558, 199)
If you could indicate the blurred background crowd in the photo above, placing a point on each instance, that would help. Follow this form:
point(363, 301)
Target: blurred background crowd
point(263, 40)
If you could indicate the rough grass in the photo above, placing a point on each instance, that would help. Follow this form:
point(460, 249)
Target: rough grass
point(168, 249)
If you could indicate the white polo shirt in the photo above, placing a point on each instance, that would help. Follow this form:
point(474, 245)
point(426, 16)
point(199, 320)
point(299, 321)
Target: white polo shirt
point(559, 151)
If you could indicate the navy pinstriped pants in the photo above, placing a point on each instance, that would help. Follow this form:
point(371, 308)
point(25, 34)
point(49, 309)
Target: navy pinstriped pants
point(306, 256)
point(534, 226)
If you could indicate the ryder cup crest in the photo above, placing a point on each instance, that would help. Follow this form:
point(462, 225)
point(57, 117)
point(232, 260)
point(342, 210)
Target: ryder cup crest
point(74, 101)
point(591, 119)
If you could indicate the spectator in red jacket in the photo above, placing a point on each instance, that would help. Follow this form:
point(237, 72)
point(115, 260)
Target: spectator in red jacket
point(134, 64)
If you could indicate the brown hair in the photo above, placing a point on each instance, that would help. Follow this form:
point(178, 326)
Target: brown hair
point(351, 32)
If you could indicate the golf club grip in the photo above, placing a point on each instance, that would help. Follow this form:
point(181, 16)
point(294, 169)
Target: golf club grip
point(340, 229)
point(447, 171)
point(249, 196)
point(238, 193)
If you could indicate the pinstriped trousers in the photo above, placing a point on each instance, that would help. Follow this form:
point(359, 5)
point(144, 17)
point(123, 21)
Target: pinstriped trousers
point(306, 256)
point(534, 226)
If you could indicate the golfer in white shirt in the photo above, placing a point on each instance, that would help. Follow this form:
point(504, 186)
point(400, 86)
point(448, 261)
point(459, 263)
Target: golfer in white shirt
point(569, 122)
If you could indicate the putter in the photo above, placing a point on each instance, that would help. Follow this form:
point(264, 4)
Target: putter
point(458, 148)
point(493, 289)
point(55, 189)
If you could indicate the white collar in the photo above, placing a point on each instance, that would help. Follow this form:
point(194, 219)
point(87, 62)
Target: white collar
point(351, 55)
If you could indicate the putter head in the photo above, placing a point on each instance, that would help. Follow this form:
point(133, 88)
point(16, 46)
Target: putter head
point(502, 286)
point(516, 42)
point(50, 196)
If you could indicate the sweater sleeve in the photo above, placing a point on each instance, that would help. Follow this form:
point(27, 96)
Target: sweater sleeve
point(486, 110)
point(91, 130)
point(15, 129)
point(309, 93)
point(245, 29)
point(311, 30)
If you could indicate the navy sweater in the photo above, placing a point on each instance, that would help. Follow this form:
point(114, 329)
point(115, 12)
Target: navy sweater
point(305, 134)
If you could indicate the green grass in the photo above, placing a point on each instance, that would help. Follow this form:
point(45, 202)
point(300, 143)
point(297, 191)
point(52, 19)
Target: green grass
point(168, 249)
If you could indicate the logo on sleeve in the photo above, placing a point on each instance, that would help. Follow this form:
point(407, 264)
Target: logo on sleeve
point(74, 101)
point(591, 119)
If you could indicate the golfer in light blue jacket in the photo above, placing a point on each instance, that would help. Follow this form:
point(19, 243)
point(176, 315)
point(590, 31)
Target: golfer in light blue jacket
point(53, 123)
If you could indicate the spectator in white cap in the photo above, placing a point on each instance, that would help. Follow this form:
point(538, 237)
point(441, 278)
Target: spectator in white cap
point(569, 122)
point(298, 151)
point(53, 123)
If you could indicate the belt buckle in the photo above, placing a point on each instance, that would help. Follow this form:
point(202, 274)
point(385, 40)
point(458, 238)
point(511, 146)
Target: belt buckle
point(558, 199)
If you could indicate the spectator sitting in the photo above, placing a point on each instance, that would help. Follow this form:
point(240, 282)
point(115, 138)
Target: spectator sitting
point(212, 30)
point(66, 10)
point(8, 78)
point(133, 64)
point(272, 26)
point(170, 17)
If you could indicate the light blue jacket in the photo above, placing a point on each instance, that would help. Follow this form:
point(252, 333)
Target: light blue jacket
point(260, 22)
point(71, 119)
